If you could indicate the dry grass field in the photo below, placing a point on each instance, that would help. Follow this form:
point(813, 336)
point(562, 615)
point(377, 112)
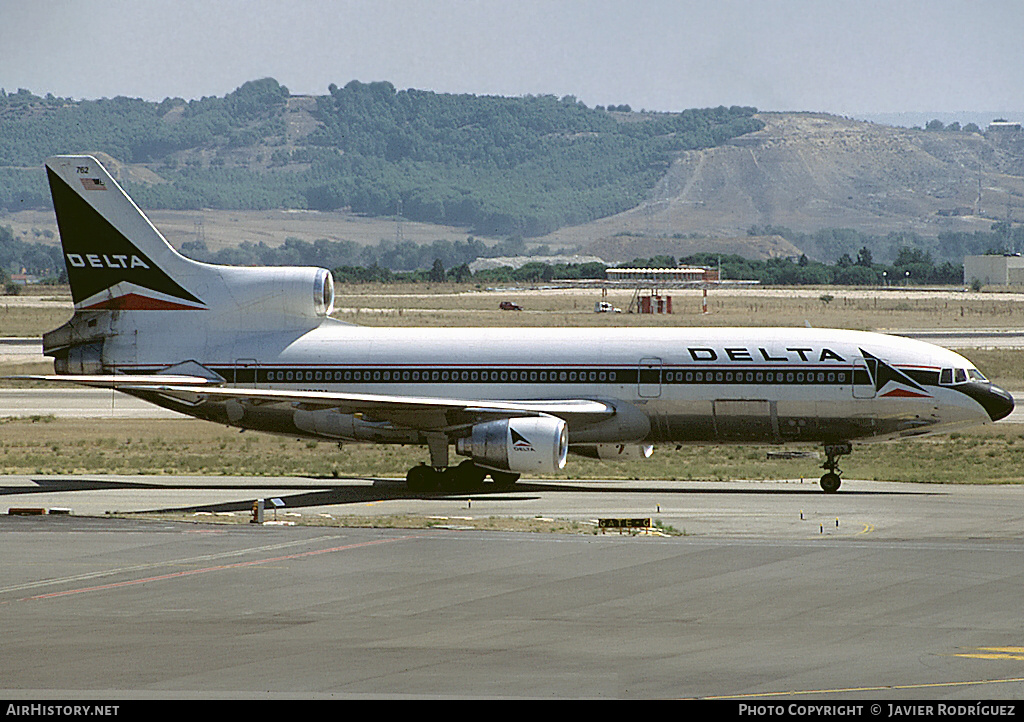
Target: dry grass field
point(46, 445)
point(863, 309)
point(40, 308)
point(988, 455)
point(227, 229)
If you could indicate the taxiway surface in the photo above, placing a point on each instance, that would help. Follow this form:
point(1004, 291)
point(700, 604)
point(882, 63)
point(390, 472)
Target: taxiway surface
point(915, 594)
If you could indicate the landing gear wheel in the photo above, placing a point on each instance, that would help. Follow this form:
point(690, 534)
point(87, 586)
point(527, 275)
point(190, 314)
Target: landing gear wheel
point(504, 479)
point(422, 478)
point(464, 477)
point(830, 483)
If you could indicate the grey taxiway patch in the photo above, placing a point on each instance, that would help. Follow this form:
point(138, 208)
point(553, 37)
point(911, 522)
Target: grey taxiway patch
point(915, 594)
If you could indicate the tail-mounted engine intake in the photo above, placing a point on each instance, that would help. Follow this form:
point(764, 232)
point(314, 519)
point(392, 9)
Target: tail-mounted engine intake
point(277, 291)
point(534, 444)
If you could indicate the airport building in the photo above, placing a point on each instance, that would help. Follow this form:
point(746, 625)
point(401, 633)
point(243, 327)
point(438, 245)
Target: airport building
point(646, 282)
point(1006, 270)
point(663, 276)
point(999, 125)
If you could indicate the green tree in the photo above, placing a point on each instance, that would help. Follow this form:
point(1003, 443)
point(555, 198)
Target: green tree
point(461, 273)
point(864, 257)
point(437, 271)
point(856, 275)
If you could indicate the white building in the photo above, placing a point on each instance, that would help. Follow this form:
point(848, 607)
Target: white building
point(1004, 126)
point(994, 270)
point(662, 276)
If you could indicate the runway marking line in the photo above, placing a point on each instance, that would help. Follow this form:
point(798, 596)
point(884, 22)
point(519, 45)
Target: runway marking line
point(170, 562)
point(223, 567)
point(1016, 653)
point(879, 688)
point(829, 531)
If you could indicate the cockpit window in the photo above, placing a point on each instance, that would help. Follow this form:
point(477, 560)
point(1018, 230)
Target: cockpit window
point(948, 377)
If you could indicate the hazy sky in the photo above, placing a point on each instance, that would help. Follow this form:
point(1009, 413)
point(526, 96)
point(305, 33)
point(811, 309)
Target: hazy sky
point(842, 56)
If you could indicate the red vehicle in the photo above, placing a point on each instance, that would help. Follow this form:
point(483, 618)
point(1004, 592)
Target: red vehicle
point(509, 306)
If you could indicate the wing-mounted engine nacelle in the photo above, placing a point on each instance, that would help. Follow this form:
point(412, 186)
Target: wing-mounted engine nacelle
point(613, 452)
point(349, 427)
point(533, 444)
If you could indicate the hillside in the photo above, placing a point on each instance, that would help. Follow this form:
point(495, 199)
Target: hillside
point(507, 166)
point(624, 247)
point(808, 172)
point(367, 162)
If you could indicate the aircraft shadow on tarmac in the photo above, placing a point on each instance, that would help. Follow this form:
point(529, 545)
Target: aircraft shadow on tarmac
point(336, 492)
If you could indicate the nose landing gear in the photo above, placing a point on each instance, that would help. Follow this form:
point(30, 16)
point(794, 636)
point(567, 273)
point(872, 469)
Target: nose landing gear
point(830, 481)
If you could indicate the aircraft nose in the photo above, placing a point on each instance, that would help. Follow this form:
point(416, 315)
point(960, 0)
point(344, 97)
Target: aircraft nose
point(997, 402)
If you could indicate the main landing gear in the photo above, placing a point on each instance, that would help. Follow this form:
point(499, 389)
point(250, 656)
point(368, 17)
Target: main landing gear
point(830, 481)
point(438, 476)
point(467, 476)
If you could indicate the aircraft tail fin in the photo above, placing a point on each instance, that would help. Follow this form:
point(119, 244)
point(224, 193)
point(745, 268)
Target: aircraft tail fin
point(116, 259)
point(130, 287)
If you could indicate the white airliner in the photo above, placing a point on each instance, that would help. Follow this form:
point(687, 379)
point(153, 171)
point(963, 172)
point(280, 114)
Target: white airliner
point(255, 348)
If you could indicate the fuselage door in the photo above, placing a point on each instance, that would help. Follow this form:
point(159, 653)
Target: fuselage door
point(245, 372)
point(864, 371)
point(649, 378)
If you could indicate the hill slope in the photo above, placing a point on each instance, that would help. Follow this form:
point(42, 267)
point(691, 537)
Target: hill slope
point(809, 171)
point(521, 166)
point(617, 184)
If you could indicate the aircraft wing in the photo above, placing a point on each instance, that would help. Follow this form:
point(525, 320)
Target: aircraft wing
point(424, 413)
point(117, 381)
point(413, 412)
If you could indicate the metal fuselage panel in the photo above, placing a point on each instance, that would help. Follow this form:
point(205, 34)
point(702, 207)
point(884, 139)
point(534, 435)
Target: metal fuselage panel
point(141, 307)
point(734, 385)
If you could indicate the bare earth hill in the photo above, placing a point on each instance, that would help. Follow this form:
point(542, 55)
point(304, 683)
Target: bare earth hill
point(810, 171)
point(803, 171)
point(624, 247)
